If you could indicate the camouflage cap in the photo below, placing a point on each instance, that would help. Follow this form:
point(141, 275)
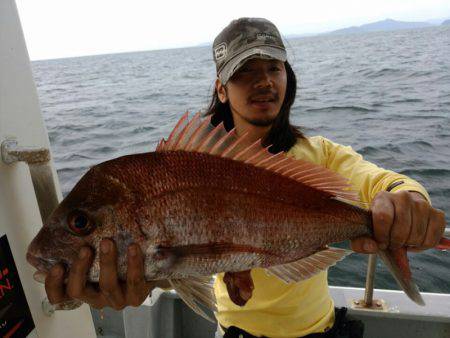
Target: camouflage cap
point(244, 39)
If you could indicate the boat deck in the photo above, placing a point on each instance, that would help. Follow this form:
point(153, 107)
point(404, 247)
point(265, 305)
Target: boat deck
point(170, 317)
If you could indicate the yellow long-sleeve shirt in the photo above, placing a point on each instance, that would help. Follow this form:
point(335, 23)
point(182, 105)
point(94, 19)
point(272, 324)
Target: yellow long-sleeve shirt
point(277, 309)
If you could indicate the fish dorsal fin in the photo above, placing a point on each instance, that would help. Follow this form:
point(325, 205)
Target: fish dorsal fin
point(307, 267)
point(195, 291)
point(201, 136)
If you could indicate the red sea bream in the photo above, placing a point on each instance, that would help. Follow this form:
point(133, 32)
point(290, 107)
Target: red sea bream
point(207, 202)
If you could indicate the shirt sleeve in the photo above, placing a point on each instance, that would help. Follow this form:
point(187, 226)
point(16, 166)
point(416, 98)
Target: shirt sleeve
point(365, 177)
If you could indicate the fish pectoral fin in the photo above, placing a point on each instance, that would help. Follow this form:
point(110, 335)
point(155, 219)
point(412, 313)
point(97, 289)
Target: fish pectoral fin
point(307, 267)
point(195, 291)
point(239, 286)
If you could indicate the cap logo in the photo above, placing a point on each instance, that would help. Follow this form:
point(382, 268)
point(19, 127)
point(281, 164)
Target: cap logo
point(220, 52)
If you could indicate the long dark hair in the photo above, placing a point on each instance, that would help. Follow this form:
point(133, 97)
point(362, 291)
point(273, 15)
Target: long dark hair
point(282, 135)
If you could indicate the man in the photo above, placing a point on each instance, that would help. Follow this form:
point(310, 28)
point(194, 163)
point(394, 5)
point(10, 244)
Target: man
point(254, 91)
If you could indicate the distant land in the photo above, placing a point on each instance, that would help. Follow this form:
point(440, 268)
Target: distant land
point(384, 25)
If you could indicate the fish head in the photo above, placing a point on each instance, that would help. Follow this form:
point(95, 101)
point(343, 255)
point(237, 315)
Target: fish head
point(98, 207)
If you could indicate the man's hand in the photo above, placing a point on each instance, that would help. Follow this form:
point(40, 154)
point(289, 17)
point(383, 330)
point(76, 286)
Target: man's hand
point(110, 291)
point(400, 219)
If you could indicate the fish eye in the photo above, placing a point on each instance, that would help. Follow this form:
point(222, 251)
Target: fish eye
point(79, 223)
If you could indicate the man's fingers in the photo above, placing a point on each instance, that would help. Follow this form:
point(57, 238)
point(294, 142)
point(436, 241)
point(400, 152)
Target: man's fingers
point(77, 286)
point(78, 274)
point(436, 226)
point(405, 219)
point(420, 212)
point(364, 245)
point(109, 283)
point(93, 297)
point(54, 285)
point(383, 219)
point(401, 226)
point(136, 288)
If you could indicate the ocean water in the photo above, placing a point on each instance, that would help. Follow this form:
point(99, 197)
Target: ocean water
point(386, 94)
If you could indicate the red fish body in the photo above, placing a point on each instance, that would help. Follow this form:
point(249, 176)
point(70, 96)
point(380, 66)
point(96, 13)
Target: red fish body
point(202, 204)
point(199, 215)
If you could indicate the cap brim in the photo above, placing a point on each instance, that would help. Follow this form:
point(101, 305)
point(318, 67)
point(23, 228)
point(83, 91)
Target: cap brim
point(263, 52)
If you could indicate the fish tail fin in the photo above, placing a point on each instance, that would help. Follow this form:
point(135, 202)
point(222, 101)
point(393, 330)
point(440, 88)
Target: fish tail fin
point(444, 244)
point(397, 262)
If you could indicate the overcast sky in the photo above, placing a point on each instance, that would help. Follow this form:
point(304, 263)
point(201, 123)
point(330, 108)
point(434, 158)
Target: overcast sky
point(63, 28)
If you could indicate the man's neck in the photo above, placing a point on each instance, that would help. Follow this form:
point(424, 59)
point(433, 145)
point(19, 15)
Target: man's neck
point(254, 132)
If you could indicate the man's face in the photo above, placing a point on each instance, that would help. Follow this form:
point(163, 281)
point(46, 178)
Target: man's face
point(256, 92)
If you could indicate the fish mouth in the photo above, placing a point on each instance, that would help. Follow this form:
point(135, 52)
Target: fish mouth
point(43, 265)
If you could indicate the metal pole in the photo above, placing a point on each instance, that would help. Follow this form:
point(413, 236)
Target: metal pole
point(368, 294)
point(44, 188)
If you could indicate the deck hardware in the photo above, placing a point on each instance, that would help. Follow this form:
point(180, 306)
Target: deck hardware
point(368, 303)
point(40, 171)
point(377, 305)
point(12, 153)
